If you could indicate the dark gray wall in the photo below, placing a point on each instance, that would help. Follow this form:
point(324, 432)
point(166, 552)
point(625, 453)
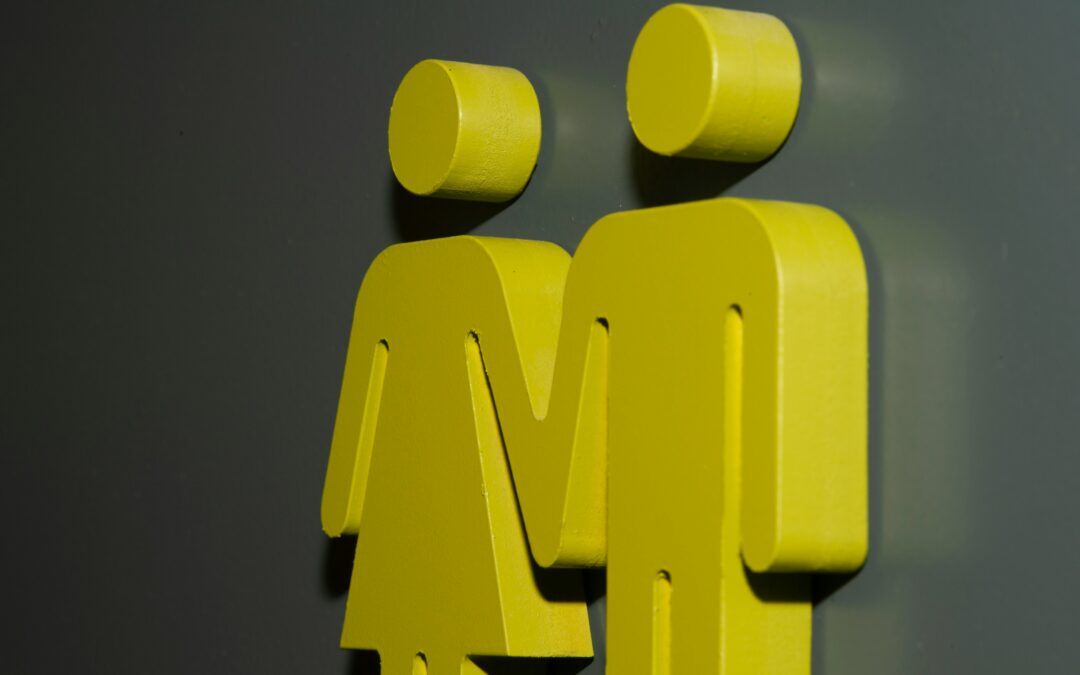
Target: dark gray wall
point(189, 197)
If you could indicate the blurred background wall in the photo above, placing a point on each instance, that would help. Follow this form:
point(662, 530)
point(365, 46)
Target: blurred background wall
point(190, 194)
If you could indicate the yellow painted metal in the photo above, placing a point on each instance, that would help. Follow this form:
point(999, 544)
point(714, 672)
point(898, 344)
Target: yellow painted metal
point(713, 83)
point(464, 131)
point(688, 394)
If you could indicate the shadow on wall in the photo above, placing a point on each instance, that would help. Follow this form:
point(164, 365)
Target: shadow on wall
point(337, 566)
point(364, 662)
point(657, 180)
point(417, 218)
point(660, 180)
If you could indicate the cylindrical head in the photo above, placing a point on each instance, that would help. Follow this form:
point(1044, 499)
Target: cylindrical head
point(464, 131)
point(713, 83)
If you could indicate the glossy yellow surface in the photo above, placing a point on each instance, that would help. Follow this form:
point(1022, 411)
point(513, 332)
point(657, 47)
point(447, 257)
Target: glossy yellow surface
point(464, 131)
point(713, 83)
point(688, 393)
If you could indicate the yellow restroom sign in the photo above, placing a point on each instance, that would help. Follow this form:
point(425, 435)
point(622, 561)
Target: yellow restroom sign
point(683, 402)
